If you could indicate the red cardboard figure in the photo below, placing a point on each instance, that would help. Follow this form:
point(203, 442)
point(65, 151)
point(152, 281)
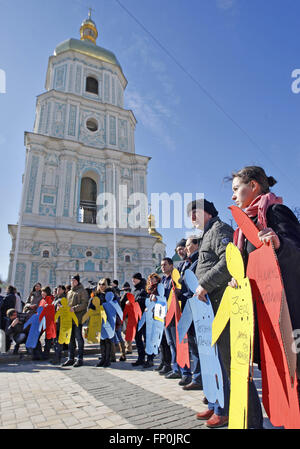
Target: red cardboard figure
point(174, 310)
point(133, 311)
point(278, 361)
point(49, 313)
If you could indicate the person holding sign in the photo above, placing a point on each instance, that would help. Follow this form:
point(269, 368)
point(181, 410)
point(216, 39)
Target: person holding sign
point(276, 225)
point(213, 277)
point(151, 288)
point(78, 302)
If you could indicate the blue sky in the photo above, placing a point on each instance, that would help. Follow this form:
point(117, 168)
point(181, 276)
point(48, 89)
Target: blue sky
point(222, 101)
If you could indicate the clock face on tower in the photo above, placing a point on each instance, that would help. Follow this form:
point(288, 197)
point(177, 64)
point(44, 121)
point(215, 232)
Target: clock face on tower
point(92, 130)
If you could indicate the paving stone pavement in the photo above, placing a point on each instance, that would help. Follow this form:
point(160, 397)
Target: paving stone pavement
point(37, 395)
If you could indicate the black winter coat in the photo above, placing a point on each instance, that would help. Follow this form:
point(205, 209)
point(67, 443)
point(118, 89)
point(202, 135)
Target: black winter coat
point(283, 221)
point(141, 294)
point(9, 302)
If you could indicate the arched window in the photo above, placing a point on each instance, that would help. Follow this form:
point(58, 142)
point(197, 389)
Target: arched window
point(88, 196)
point(46, 254)
point(91, 85)
point(127, 258)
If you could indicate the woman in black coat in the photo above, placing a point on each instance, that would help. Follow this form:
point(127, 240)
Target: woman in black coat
point(9, 302)
point(140, 337)
point(278, 225)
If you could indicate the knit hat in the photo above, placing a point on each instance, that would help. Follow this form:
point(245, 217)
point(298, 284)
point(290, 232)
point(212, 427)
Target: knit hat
point(126, 285)
point(137, 276)
point(182, 242)
point(203, 204)
point(77, 278)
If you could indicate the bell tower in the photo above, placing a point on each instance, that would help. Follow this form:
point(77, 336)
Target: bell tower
point(82, 145)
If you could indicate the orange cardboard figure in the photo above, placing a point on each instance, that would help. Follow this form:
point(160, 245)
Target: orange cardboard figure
point(49, 313)
point(133, 311)
point(174, 310)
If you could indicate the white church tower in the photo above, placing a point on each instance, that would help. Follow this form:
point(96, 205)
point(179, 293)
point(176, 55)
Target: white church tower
point(82, 145)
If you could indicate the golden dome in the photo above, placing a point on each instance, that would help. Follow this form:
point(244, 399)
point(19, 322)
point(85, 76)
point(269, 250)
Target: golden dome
point(86, 47)
point(88, 30)
point(87, 44)
point(151, 228)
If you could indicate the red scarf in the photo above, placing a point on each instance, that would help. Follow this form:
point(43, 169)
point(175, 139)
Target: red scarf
point(258, 208)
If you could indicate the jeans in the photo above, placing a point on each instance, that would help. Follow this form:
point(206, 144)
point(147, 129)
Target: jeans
point(20, 338)
point(255, 416)
point(76, 336)
point(140, 340)
point(47, 346)
point(196, 377)
point(165, 353)
point(171, 339)
point(58, 348)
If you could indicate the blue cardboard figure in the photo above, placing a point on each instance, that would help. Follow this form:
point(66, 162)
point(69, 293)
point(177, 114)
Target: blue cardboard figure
point(112, 308)
point(201, 313)
point(154, 318)
point(35, 328)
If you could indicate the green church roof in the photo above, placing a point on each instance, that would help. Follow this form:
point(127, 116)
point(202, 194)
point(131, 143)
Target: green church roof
point(88, 48)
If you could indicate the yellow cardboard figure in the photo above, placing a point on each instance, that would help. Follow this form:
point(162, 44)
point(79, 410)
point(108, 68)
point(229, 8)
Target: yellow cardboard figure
point(95, 317)
point(237, 306)
point(66, 320)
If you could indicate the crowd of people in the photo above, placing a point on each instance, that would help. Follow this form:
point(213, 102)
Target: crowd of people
point(205, 256)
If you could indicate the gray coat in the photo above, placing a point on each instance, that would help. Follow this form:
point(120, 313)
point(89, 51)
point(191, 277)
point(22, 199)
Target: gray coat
point(211, 269)
point(213, 275)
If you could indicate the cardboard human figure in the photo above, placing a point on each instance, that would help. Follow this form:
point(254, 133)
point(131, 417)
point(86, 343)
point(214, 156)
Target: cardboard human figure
point(96, 317)
point(112, 309)
point(133, 311)
point(49, 313)
point(36, 326)
point(174, 311)
point(278, 361)
point(201, 314)
point(237, 306)
point(66, 321)
point(154, 319)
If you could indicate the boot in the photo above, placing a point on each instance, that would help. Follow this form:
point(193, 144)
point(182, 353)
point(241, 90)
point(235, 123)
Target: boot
point(122, 350)
point(16, 349)
point(113, 352)
point(129, 347)
point(102, 353)
point(108, 347)
point(56, 359)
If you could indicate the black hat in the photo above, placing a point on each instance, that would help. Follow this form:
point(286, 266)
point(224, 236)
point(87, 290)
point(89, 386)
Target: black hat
point(126, 287)
point(77, 278)
point(203, 204)
point(182, 242)
point(137, 276)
